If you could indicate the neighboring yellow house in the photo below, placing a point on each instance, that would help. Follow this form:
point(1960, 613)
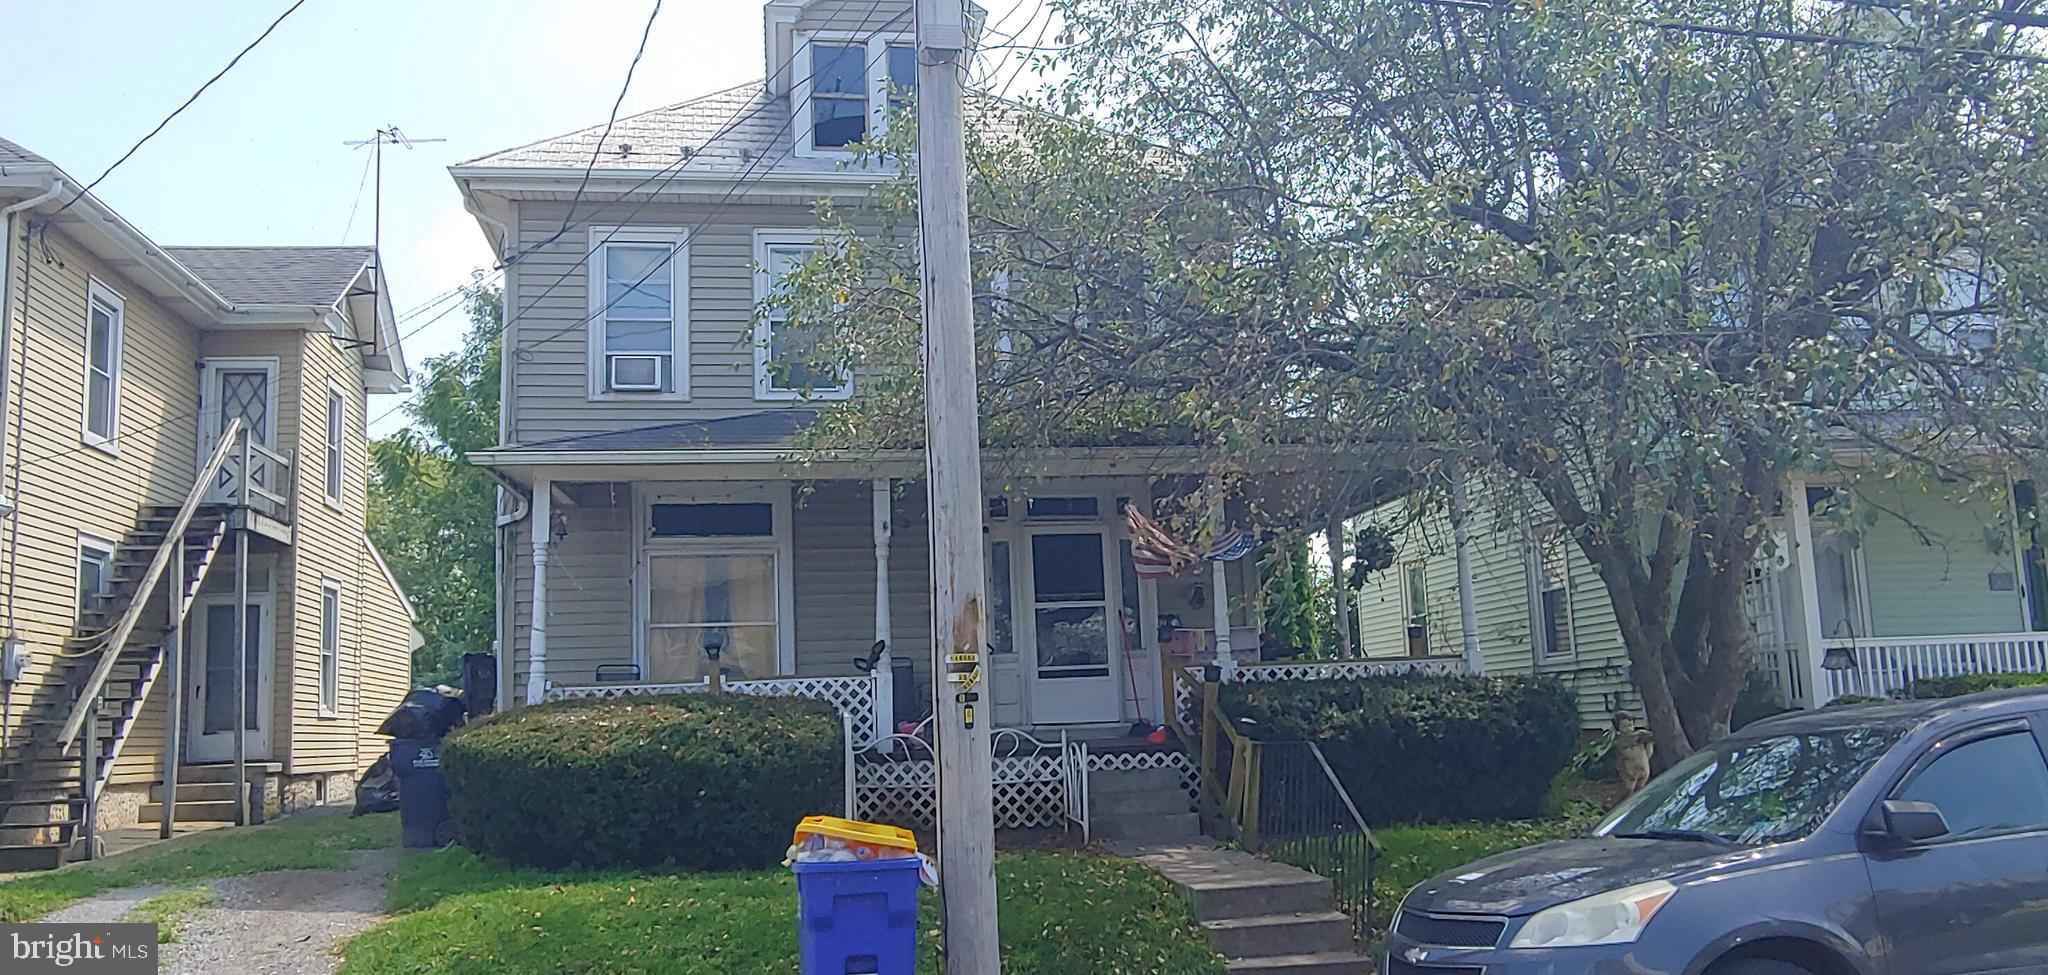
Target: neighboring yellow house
point(216, 394)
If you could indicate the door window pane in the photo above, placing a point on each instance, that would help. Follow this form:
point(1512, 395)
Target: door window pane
point(1991, 785)
point(218, 660)
point(1076, 637)
point(1001, 613)
point(1067, 568)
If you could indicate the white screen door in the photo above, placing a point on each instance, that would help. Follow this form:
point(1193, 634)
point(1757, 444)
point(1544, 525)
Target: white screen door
point(1073, 636)
point(212, 666)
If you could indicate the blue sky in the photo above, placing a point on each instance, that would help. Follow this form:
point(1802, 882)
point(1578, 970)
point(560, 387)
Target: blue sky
point(260, 159)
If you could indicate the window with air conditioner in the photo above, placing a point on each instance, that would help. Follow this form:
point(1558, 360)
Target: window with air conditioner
point(638, 313)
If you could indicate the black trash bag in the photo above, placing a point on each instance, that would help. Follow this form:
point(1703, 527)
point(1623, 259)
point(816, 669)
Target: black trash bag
point(377, 790)
point(426, 713)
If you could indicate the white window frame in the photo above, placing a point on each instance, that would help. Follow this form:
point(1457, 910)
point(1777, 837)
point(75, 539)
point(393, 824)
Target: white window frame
point(676, 238)
point(107, 299)
point(875, 67)
point(1539, 580)
point(330, 648)
point(781, 544)
point(102, 550)
point(335, 483)
point(766, 239)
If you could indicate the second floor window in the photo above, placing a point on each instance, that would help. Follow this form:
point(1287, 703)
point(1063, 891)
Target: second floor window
point(104, 314)
point(335, 406)
point(637, 312)
point(786, 353)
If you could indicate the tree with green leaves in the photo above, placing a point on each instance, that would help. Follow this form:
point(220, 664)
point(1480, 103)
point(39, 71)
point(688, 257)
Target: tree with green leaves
point(430, 510)
point(1632, 264)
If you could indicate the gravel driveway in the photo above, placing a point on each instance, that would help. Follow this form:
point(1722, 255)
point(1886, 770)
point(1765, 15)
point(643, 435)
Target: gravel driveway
point(285, 923)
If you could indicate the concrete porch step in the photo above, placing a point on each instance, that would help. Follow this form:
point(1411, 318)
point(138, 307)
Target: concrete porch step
point(1114, 781)
point(1225, 884)
point(196, 791)
point(1145, 829)
point(221, 811)
point(225, 772)
point(1265, 935)
point(1317, 963)
point(1168, 802)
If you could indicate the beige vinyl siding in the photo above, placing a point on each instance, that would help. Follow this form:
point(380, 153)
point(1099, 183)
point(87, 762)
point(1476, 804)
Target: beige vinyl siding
point(67, 488)
point(856, 16)
point(1928, 563)
point(383, 660)
point(1597, 666)
point(550, 336)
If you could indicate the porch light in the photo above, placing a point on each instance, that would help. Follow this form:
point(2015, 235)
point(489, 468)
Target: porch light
point(1838, 658)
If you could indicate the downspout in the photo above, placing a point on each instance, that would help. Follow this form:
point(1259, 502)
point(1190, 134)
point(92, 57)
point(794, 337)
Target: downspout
point(12, 512)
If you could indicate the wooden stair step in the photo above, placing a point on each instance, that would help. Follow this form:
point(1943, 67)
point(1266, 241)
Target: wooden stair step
point(32, 856)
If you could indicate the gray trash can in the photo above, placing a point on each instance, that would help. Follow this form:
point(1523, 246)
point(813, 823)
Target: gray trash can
point(422, 793)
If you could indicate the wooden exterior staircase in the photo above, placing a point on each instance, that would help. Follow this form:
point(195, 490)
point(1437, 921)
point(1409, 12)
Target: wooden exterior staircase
point(49, 783)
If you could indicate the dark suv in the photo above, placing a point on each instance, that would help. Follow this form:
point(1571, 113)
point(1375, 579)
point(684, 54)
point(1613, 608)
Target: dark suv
point(1896, 839)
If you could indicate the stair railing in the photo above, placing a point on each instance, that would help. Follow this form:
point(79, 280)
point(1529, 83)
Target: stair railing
point(117, 636)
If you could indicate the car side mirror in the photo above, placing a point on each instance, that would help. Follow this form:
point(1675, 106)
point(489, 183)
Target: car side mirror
point(1913, 822)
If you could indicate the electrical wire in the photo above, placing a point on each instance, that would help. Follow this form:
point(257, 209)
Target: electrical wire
point(237, 59)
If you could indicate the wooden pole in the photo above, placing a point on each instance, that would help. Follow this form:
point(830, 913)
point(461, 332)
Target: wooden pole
point(241, 629)
point(1468, 607)
point(1219, 583)
point(884, 672)
point(542, 518)
point(966, 821)
point(174, 687)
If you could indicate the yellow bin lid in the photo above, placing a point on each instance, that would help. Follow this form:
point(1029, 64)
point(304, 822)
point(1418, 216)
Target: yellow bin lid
point(855, 831)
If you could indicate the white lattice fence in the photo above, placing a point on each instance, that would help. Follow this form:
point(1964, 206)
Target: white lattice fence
point(1039, 788)
point(1190, 774)
point(1347, 669)
point(853, 696)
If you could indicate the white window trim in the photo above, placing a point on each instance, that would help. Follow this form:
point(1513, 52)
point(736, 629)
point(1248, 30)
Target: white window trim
point(1536, 576)
point(679, 309)
point(98, 293)
point(764, 283)
point(876, 67)
point(88, 542)
point(782, 545)
point(330, 703)
point(335, 459)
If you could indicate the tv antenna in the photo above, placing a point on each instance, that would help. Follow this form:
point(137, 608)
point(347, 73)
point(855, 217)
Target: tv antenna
point(388, 135)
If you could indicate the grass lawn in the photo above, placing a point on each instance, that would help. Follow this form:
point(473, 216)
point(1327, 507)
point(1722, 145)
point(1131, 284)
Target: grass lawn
point(1061, 913)
point(1413, 854)
point(308, 841)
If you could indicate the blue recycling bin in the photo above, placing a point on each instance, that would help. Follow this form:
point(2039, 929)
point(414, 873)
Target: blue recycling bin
point(857, 918)
point(422, 793)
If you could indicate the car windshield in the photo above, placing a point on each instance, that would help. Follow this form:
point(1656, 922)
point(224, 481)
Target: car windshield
point(1752, 790)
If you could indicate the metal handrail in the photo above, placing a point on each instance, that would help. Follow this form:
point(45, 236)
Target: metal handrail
point(117, 637)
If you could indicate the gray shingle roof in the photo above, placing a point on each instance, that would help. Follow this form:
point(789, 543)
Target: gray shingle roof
point(275, 275)
point(728, 130)
point(774, 428)
point(11, 152)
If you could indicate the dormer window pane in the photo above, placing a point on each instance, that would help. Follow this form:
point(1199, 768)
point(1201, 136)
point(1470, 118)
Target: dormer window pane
point(902, 74)
point(839, 95)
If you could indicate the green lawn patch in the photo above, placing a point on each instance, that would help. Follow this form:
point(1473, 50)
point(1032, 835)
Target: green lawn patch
point(308, 841)
point(1061, 913)
point(1413, 854)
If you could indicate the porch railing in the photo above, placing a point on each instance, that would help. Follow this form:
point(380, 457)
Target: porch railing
point(1886, 666)
point(854, 696)
point(1282, 800)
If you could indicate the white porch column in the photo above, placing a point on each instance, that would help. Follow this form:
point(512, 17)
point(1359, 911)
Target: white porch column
point(1333, 535)
point(1468, 611)
point(1807, 635)
point(1219, 585)
point(541, 520)
point(885, 683)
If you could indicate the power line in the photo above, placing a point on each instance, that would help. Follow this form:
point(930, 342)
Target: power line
point(87, 188)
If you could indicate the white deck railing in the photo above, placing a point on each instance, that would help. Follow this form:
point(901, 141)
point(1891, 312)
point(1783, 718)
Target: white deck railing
point(854, 696)
point(1889, 665)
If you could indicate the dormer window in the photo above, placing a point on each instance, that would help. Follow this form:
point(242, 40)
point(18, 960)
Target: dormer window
point(848, 89)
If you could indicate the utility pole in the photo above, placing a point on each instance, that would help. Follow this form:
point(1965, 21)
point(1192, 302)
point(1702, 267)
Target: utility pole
point(953, 474)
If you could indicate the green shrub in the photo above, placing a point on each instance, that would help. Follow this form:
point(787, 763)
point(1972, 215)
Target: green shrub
point(696, 781)
point(1930, 687)
point(1414, 748)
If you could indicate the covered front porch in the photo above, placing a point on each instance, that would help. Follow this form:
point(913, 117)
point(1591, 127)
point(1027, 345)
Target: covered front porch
point(814, 580)
point(1875, 586)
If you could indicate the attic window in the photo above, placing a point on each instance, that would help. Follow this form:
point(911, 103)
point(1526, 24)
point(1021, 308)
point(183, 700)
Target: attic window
point(852, 87)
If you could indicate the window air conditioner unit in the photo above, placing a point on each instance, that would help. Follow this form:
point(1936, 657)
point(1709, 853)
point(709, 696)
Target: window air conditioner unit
point(634, 373)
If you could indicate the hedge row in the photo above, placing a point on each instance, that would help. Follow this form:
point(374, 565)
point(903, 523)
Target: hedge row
point(1932, 687)
point(1412, 748)
point(698, 782)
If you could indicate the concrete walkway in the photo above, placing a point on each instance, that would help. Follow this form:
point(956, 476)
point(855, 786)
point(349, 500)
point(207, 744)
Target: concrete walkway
point(1264, 917)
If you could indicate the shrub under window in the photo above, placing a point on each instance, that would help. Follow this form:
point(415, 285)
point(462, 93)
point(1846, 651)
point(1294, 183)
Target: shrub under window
point(696, 781)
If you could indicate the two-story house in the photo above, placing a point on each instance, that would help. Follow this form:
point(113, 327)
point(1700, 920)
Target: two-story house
point(659, 522)
point(182, 443)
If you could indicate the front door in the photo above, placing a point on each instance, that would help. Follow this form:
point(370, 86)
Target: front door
point(1976, 900)
point(1072, 627)
point(244, 389)
point(211, 662)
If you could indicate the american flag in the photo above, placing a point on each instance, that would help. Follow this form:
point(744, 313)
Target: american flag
point(1155, 553)
point(1235, 544)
